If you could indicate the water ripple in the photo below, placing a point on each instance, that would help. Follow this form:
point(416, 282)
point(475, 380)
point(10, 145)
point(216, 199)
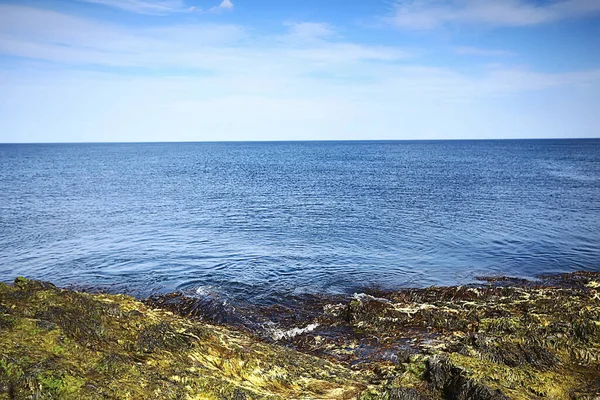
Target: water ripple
point(256, 222)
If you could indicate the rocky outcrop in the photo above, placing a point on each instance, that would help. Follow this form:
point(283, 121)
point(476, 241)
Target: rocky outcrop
point(506, 339)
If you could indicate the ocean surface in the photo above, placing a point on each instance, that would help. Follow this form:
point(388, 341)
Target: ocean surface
point(257, 222)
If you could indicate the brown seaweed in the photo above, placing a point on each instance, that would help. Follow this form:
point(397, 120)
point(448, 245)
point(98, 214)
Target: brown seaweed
point(506, 339)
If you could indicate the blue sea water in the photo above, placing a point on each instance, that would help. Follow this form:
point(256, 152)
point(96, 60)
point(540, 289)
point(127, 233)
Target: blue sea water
point(258, 221)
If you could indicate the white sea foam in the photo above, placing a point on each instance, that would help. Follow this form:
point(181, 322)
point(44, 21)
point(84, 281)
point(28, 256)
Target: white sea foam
point(364, 296)
point(278, 334)
point(206, 290)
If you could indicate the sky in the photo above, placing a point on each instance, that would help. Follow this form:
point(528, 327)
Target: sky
point(228, 70)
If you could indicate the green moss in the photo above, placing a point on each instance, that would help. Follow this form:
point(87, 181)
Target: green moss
point(52, 386)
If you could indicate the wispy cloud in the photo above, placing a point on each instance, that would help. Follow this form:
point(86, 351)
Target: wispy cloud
point(225, 51)
point(423, 14)
point(309, 31)
point(156, 7)
point(53, 36)
point(224, 5)
point(229, 82)
point(477, 51)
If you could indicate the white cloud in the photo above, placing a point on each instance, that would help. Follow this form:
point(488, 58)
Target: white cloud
point(224, 5)
point(423, 14)
point(225, 82)
point(56, 37)
point(223, 51)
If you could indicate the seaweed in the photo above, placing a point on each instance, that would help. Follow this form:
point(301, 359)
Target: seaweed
point(506, 339)
point(65, 344)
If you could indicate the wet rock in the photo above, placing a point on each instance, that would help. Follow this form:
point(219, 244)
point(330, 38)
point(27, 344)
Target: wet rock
point(239, 395)
point(81, 318)
point(6, 322)
point(511, 351)
point(450, 380)
point(32, 285)
point(505, 281)
point(207, 308)
point(46, 325)
point(162, 336)
point(405, 394)
point(368, 309)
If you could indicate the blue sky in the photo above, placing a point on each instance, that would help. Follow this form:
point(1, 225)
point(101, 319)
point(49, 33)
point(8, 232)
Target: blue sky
point(204, 70)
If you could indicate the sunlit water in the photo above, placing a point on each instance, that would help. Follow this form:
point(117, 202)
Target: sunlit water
point(258, 221)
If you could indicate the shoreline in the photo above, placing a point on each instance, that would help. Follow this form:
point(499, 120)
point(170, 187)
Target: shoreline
point(507, 338)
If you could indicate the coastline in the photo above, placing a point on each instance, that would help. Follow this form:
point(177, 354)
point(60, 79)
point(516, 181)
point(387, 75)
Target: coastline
point(507, 338)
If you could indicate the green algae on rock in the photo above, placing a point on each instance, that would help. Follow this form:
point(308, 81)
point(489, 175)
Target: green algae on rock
point(507, 339)
point(63, 344)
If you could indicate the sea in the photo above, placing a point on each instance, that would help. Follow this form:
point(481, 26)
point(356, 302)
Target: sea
point(258, 222)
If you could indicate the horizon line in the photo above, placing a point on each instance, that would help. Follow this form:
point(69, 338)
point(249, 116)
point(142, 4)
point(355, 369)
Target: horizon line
point(305, 141)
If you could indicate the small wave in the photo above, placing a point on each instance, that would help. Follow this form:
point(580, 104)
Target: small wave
point(207, 290)
point(278, 334)
point(364, 296)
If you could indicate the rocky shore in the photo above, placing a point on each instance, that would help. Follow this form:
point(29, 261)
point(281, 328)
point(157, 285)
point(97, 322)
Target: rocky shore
point(503, 339)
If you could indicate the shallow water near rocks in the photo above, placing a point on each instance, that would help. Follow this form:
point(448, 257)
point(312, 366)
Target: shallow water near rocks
point(270, 223)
